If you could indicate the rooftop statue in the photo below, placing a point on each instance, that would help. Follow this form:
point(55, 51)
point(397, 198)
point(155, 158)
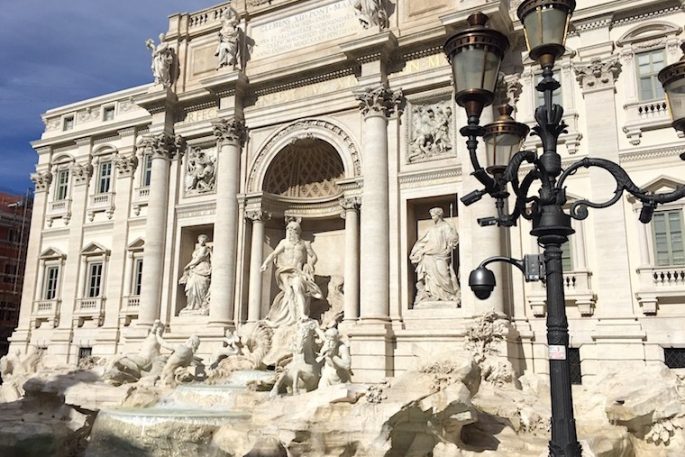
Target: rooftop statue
point(162, 61)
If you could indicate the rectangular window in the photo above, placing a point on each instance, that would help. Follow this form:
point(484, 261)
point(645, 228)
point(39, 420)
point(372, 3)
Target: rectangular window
point(566, 259)
point(667, 227)
point(674, 357)
point(108, 113)
point(648, 66)
point(62, 186)
point(94, 280)
point(68, 123)
point(147, 170)
point(84, 352)
point(137, 277)
point(105, 177)
point(556, 95)
point(576, 374)
point(51, 278)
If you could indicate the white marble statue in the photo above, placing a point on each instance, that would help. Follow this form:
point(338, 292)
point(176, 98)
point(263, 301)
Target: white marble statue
point(304, 371)
point(230, 35)
point(148, 361)
point(197, 275)
point(179, 364)
point(372, 12)
point(336, 300)
point(294, 259)
point(201, 172)
point(162, 61)
point(335, 356)
point(432, 255)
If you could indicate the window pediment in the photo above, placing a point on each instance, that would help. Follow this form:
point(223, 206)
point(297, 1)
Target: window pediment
point(52, 254)
point(648, 32)
point(94, 249)
point(659, 185)
point(136, 245)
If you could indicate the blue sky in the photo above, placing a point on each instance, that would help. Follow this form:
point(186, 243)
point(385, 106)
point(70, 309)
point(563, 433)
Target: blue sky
point(54, 52)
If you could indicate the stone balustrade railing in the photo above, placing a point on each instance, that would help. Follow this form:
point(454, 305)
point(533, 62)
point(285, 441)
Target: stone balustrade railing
point(59, 206)
point(206, 17)
point(659, 283)
point(577, 291)
point(643, 116)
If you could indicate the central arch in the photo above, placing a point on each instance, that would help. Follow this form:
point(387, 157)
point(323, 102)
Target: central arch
point(334, 137)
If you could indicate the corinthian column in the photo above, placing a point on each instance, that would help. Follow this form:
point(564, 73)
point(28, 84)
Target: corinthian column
point(258, 217)
point(350, 212)
point(163, 147)
point(376, 105)
point(230, 135)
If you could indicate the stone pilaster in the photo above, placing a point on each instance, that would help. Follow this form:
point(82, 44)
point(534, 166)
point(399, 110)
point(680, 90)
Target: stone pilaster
point(258, 217)
point(230, 134)
point(164, 148)
point(375, 105)
point(350, 212)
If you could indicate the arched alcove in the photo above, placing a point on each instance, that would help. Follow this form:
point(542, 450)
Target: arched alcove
point(306, 168)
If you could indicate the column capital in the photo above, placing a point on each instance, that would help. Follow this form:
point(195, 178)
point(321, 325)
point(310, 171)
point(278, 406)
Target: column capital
point(162, 145)
point(380, 101)
point(349, 204)
point(258, 215)
point(230, 130)
point(126, 165)
point(597, 74)
point(81, 172)
point(41, 180)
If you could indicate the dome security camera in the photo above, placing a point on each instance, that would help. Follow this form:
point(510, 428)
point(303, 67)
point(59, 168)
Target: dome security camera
point(482, 282)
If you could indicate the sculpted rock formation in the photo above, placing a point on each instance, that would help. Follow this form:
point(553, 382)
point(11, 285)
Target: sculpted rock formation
point(432, 255)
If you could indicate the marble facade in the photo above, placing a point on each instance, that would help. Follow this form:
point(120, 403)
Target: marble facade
point(320, 120)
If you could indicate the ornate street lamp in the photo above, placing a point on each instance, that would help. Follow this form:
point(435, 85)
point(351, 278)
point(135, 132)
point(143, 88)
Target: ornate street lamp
point(474, 53)
point(673, 80)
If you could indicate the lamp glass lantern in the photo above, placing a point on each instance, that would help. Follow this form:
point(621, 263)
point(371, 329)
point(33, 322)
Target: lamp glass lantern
point(475, 54)
point(672, 78)
point(546, 24)
point(503, 138)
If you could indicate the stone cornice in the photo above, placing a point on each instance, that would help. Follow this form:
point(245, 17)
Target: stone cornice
point(423, 176)
point(652, 153)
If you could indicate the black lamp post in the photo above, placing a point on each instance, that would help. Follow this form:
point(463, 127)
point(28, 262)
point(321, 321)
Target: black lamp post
point(475, 54)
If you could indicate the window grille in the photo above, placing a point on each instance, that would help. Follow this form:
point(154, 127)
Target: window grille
point(674, 357)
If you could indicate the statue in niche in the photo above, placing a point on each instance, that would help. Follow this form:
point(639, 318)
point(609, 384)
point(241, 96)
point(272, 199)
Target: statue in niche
point(335, 356)
point(430, 131)
point(179, 366)
point(230, 40)
point(432, 255)
point(304, 371)
point(294, 259)
point(162, 61)
point(372, 12)
point(197, 278)
point(148, 361)
point(201, 172)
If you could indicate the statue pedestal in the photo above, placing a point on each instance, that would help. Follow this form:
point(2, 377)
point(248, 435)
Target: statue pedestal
point(194, 312)
point(434, 304)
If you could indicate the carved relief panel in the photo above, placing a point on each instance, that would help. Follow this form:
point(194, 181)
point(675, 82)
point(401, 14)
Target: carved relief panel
point(431, 131)
point(200, 171)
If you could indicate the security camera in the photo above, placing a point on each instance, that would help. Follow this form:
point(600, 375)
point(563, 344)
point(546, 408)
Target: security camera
point(482, 282)
point(472, 197)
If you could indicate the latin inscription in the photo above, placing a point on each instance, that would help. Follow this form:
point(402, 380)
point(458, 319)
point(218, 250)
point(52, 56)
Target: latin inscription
point(310, 90)
point(308, 28)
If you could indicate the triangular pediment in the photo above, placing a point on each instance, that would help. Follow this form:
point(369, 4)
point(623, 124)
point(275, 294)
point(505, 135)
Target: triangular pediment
point(660, 185)
point(52, 253)
point(136, 245)
point(94, 249)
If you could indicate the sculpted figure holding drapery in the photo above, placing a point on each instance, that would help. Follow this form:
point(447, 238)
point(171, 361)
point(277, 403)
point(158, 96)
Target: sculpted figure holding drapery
point(197, 278)
point(432, 255)
point(294, 259)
